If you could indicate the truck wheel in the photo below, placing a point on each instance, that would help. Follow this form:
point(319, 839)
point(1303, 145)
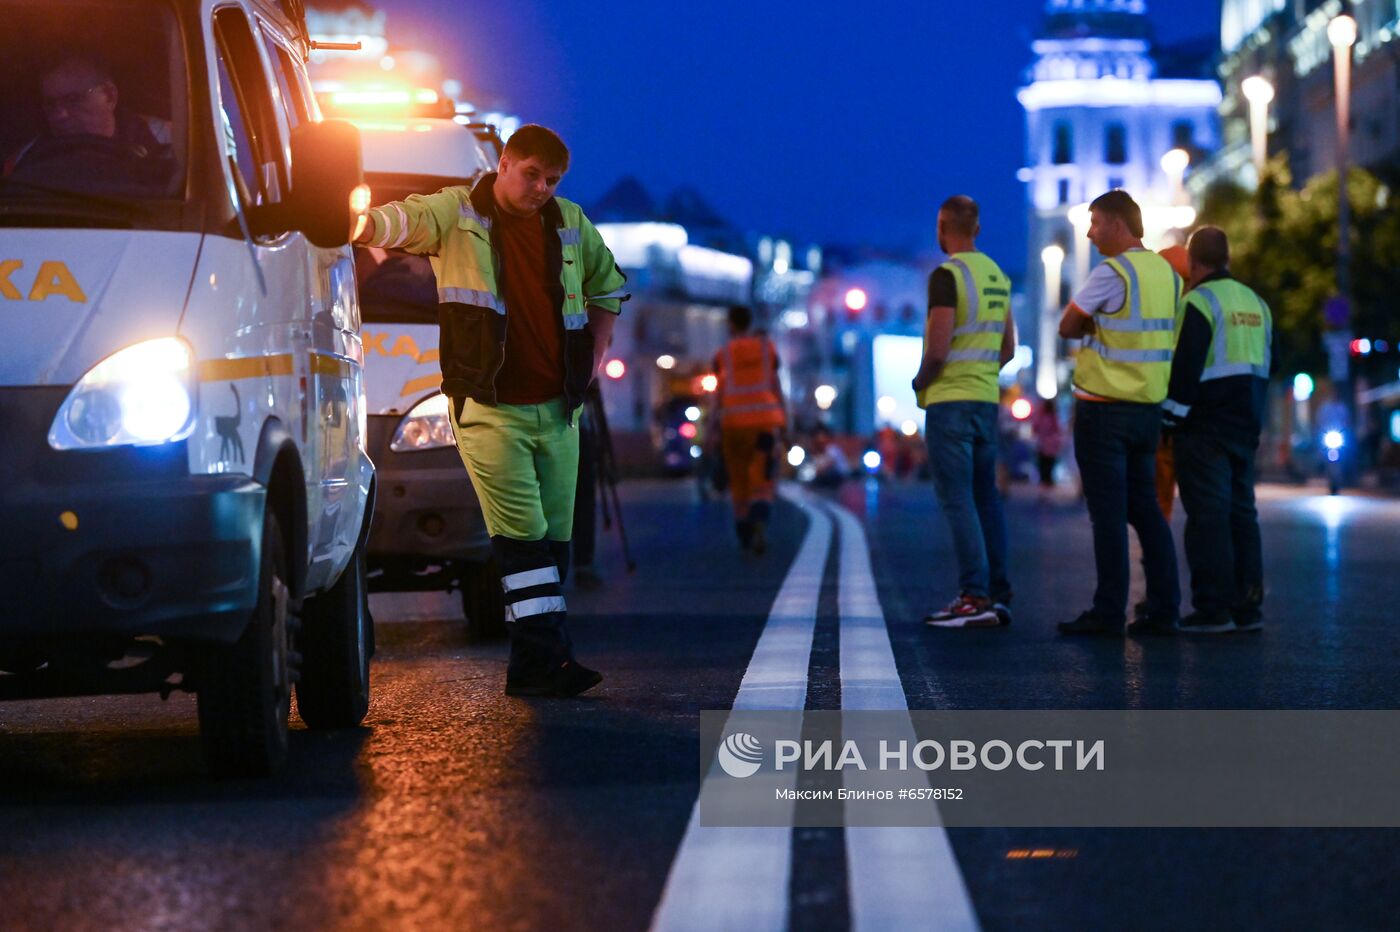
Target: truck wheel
point(483, 603)
point(337, 641)
point(245, 688)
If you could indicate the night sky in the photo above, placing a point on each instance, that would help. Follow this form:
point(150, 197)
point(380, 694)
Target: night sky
point(820, 121)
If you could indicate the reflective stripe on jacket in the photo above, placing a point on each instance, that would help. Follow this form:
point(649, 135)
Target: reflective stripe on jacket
point(1128, 357)
point(746, 370)
point(979, 323)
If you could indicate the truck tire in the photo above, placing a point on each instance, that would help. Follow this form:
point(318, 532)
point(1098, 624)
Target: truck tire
point(337, 642)
point(483, 603)
point(245, 688)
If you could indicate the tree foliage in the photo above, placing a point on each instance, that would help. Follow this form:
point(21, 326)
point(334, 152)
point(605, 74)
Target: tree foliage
point(1283, 243)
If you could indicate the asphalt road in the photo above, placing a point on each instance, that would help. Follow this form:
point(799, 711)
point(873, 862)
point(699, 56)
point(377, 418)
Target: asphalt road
point(456, 807)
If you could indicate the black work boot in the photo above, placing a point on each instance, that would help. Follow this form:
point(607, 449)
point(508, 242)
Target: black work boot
point(541, 654)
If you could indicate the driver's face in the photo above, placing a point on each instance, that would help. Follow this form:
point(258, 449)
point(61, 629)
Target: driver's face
point(74, 103)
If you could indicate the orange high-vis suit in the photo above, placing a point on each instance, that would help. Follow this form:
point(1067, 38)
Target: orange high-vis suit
point(1180, 262)
point(751, 413)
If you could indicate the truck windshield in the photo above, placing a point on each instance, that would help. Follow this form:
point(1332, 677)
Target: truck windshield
point(93, 111)
point(395, 288)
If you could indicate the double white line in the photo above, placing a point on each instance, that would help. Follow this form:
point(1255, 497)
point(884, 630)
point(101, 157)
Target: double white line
point(739, 878)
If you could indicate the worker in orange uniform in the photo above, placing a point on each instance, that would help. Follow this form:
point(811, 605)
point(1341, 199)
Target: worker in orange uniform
point(1180, 262)
point(749, 408)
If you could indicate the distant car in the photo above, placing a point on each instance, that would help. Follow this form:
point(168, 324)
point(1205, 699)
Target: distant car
point(676, 435)
point(428, 532)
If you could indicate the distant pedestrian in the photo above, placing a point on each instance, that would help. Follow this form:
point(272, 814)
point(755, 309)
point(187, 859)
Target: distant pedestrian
point(749, 399)
point(1215, 412)
point(1126, 313)
point(1049, 441)
point(968, 336)
point(830, 467)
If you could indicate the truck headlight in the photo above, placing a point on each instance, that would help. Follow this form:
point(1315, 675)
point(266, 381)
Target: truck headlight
point(426, 427)
point(140, 396)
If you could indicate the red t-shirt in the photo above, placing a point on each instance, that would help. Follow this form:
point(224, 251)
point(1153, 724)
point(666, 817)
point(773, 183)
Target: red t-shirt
point(533, 371)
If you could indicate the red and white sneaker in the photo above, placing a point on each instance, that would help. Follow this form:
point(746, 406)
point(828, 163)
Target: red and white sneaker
point(966, 611)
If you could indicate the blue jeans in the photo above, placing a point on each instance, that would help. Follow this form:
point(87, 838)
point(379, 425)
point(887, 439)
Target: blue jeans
point(962, 450)
point(1115, 444)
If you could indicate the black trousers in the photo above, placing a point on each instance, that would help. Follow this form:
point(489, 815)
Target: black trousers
point(1223, 546)
point(1115, 445)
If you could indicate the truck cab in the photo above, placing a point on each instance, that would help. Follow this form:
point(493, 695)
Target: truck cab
point(187, 492)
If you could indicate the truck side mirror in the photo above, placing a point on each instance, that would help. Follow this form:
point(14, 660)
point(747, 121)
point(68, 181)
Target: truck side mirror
point(328, 193)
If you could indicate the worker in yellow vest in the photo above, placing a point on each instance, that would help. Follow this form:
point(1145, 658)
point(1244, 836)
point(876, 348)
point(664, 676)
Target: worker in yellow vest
point(1214, 410)
point(968, 336)
point(1125, 312)
point(749, 407)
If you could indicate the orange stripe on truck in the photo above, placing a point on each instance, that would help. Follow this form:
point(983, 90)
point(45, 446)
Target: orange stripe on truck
point(421, 384)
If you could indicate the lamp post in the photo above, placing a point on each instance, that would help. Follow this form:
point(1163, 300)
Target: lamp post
point(1260, 93)
point(1047, 376)
point(1174, 163)
point(1341, 32)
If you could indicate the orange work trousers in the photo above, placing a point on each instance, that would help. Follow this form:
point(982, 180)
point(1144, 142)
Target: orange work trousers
point(1166, 476)
point(750, 458)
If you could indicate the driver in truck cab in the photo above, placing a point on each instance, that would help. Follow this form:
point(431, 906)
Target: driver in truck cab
point(78, 97)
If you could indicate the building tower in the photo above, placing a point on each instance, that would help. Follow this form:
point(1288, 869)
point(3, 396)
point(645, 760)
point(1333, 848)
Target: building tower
point(1102, 109)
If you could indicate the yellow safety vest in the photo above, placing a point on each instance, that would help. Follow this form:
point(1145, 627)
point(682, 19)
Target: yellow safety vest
point(984, 301)
point(1128, 357)
point(1242, 329)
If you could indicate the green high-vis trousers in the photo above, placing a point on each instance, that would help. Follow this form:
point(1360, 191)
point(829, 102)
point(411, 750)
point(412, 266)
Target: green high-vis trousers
point(523, 463)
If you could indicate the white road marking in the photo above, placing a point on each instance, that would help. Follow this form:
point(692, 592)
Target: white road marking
point(899, 878)
point(738, 878)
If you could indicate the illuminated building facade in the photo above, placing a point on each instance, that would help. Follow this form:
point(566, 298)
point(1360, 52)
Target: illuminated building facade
point(1285, 42)
point(1102, 109)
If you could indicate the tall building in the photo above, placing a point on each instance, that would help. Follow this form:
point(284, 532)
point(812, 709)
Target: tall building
point(1286, 43)
point(1103, 106)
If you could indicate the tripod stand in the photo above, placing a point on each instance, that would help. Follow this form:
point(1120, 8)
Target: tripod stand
point(605, 459)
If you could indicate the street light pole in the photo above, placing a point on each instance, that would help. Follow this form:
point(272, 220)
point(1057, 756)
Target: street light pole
point(1260, 93)
point(1341, 32)
point(1174, 164)
point(1047, 376)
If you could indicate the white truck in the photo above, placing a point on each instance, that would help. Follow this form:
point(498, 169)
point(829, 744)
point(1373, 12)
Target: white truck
point(186, 492)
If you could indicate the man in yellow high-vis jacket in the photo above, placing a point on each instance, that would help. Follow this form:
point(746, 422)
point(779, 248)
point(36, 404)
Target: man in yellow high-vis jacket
point(1126, 314)
point(528, 295)
point(1215, 409)
point(969, 335)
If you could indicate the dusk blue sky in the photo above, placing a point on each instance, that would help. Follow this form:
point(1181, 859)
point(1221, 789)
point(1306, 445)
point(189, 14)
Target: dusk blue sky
point(818, 121)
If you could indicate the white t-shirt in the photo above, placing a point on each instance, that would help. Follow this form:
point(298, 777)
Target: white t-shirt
point(1103, 292)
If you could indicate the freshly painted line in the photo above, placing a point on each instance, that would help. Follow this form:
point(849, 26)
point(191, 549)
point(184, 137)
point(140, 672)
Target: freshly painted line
point(899, 878)
point(738, 878)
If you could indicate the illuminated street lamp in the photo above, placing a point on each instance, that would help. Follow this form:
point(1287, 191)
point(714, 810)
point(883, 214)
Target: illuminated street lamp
point(1260, 93)
point(1047, 379)
point(1174, 163)
point(1341, 32)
